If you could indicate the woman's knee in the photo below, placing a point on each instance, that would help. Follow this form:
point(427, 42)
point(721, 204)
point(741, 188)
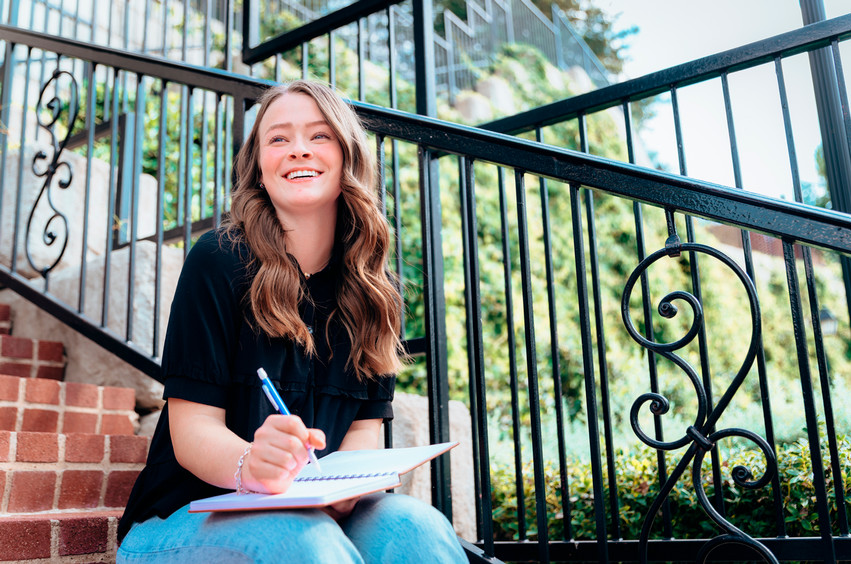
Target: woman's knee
point(387, 524)
point(298, 536)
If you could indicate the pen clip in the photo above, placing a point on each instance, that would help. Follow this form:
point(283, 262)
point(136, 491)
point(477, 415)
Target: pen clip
point(270, 396)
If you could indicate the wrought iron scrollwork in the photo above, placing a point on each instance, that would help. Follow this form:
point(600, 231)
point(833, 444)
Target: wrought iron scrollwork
point(49, 114)
point(698, 437)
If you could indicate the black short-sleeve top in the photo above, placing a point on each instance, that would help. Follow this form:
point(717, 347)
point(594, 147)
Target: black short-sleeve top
point(211, 355)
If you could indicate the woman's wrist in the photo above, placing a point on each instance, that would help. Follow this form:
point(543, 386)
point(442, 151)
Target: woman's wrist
point(240, 465)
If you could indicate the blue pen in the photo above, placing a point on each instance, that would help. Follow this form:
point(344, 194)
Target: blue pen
point(279, 404)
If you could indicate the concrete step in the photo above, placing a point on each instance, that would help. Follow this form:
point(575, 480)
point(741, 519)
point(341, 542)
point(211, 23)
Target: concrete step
point(46, 405)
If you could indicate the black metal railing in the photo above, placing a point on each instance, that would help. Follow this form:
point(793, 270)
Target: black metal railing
point(311, 37)
point(528, 291)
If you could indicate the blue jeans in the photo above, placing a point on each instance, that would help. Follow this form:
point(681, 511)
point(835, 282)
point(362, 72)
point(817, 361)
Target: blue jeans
point(382, 528)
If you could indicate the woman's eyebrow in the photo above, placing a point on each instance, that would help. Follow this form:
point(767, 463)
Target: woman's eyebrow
point(289, 125)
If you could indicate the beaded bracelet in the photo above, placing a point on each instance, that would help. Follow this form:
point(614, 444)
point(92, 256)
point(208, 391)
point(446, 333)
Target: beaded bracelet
point(238, 474)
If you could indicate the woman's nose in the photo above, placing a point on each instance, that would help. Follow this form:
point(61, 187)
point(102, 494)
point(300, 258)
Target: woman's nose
point(299, 149)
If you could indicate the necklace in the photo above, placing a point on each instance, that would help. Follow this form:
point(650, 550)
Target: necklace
point(307, 275)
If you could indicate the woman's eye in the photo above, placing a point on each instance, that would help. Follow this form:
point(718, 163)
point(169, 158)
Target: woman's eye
point(277, 139)
point(322, 136)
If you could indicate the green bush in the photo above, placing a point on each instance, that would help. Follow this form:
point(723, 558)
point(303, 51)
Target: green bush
point(752, 510)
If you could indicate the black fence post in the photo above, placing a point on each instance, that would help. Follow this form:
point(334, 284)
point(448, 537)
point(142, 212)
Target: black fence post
point(837, 156)
point(435, 300)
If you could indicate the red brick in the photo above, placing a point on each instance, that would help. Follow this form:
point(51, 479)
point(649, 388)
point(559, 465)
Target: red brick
point(19, 369)
point(24, 538)
point(74, 422)
point(5, 444)
point(8, 418)
point(16, 347)
point(81, 447)
point(5, 312)
point(31, 491)
point(9, 387)
point(81, 395)
point(119, 398)
point(80, 488)
point(2, 483)
point(50, 372)
point(115, 424)
point(128, 448)
point(42, 391)
point(118, 486)
point(37, 447)
point(83, 535)
point(51, 350)
point(77, 422)
point(41, 420)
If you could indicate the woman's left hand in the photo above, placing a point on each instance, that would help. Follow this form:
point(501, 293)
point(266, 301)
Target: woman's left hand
point(341, 509)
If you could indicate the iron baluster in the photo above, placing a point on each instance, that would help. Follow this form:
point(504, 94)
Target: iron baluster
point(532, 367)
point(49, 236)
point(808, 395)
point(512, 359)
point(473, 298)
point(694, 268)
point(699, 437)
point(588, 365)
point(555, 364)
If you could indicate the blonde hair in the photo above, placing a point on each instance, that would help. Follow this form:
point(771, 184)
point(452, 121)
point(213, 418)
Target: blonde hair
point(368, 300)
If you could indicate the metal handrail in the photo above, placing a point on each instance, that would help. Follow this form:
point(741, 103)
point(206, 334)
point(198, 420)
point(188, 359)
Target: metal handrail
point(797, 222)
point(807, 38)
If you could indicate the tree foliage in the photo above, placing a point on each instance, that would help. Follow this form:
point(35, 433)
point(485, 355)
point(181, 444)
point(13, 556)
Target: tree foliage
point(597, 28)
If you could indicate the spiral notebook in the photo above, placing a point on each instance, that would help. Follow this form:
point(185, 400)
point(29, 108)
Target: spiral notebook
point(345, 474)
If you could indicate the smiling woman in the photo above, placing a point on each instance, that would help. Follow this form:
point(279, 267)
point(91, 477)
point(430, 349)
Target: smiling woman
point(300, 164)
point(296, 284)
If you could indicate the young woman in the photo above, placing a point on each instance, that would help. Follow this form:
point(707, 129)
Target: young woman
point(295, 283)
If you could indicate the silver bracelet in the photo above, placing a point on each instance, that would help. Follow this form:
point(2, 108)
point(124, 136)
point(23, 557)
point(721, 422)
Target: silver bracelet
point(238, 474)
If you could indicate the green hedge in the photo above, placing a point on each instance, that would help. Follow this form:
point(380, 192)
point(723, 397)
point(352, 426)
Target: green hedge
point(751, 510)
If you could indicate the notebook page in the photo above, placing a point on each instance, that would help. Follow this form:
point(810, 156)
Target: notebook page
point(300, 494)
point(376, 461)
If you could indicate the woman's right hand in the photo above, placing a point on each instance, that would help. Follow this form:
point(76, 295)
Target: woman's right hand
point(279, 453)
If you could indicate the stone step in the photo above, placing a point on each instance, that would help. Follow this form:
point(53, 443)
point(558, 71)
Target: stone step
point(77, 537)
point(46, 405)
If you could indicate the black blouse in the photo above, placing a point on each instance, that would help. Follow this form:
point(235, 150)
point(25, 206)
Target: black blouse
point(211, 356)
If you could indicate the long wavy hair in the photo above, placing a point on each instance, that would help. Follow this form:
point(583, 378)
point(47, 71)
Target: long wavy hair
point(368, 300)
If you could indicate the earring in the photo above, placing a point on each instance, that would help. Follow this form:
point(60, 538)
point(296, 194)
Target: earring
point(262, 187)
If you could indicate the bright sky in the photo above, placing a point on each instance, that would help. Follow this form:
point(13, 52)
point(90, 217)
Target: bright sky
point(677, 31)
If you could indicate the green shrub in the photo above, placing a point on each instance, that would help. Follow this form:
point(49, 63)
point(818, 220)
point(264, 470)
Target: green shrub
point(752, 510)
